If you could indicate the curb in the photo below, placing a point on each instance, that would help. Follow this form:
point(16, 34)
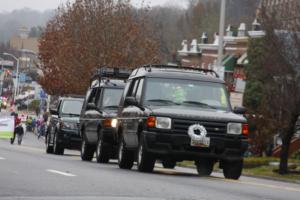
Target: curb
point(272, 178)
point(256, 176)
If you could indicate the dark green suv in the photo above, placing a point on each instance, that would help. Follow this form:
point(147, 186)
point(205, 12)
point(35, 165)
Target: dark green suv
point(98, 118)
point(63, 131)
point(173, 114)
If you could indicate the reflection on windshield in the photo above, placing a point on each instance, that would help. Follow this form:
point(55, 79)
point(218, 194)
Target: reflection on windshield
point(111, 98)
point(185, 93)
point(72, 107)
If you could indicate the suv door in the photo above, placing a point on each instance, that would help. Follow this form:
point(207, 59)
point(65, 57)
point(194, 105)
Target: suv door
point(92, 117)
point(132, 114)
point(53, 123)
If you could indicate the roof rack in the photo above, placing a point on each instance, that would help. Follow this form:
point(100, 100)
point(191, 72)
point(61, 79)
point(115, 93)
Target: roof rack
point(72, 96)
point(205, 71)
point(110, 73)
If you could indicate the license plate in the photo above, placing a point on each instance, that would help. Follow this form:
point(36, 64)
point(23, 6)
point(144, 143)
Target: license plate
point(203, 142)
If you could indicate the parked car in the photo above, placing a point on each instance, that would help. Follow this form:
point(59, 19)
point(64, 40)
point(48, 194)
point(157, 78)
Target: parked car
point(63, 131)
point(173, 114)
point(98, 116)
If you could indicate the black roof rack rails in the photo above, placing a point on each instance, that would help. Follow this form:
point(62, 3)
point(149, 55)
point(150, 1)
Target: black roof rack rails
point(72, 96)
point(112, 73)
point(205, 71)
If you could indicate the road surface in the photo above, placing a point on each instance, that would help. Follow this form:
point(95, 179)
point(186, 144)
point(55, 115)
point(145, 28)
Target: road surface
point(27, 172)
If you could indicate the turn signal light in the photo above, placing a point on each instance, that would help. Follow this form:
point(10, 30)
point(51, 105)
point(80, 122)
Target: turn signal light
point(107, 122)
point(151, 121)
point(245, 129)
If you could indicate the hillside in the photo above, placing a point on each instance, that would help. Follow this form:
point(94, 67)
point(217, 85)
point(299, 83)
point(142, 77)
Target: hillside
point(10, 22)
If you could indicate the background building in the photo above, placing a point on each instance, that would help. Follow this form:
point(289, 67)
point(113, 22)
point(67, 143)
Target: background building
point(235, 47)
point(27, 47)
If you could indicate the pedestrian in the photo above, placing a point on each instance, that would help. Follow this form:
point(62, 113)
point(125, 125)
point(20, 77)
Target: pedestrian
point(38, 125)
point(45, 117)
point(37, 111)
point(33, 125)
point(18, 129)
point(42, 128)
point(29, 123)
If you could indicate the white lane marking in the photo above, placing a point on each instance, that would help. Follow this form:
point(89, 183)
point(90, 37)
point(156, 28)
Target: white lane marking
point(1, 158)
point(79, 198)
point(60, 173)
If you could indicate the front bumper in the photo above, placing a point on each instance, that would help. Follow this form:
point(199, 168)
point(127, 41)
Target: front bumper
point(70, 138)
point(177, 147)
point(109, 135)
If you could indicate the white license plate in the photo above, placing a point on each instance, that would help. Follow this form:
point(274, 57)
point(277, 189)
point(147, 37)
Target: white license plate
point(203, 142)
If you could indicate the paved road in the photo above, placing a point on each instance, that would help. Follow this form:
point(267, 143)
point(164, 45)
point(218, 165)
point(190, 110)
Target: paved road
point(27, 172)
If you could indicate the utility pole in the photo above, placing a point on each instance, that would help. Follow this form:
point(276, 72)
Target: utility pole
point(221, 33)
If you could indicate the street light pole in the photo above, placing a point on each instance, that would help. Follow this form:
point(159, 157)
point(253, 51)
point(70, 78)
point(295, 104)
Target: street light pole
point(17, 73)
point(1, 75)
point(221, 33)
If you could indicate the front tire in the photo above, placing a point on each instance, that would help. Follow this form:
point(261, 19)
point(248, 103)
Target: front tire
point(232, 169)
point(102, 152)
point(49, 148)
point(57, 147)
point(125, 156)
point(145, 160)
point(205, 167)
point(87, 151)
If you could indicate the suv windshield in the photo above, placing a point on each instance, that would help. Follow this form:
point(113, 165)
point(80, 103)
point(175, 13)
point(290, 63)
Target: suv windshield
point(111, 98)
point(72, 107)
point(185, 93)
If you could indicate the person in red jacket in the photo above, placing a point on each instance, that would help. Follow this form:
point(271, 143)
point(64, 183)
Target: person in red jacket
point(17, 130)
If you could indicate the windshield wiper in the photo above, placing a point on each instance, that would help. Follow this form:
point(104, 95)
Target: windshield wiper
point(199, 104)
point(71, 114)
point(163, 101)
point(106, 107)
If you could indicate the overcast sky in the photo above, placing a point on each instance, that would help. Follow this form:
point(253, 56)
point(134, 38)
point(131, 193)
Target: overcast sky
point(41, 5)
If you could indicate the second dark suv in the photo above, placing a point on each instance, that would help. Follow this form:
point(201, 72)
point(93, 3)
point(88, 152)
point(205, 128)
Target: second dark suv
point(63, 131)
point(174, 114)
point(98, 119)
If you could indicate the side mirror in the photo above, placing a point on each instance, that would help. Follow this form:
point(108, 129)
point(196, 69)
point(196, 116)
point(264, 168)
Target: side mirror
point(131, 101)
point(239, 110)
point(53, 111)
point(91, 106)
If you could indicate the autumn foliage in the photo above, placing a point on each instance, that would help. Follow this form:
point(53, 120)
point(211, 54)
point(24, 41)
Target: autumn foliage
point(91, 34)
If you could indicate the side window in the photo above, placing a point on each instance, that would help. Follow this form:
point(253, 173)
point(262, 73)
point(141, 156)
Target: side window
point(92, 97)
point(133, 88)
point(59, 105)
point(126, 89)
point(139, 91)
point(97, 98)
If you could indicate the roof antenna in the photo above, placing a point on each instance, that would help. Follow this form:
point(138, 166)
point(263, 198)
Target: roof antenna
point(150, 66)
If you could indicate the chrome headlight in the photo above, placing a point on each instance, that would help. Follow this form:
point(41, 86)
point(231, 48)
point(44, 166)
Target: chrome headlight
point(163, 122)
point(114, 123)
point(234, 128)
point(68, 125)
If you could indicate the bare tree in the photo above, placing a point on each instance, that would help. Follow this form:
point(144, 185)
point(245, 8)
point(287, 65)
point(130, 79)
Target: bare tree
point(282, 86)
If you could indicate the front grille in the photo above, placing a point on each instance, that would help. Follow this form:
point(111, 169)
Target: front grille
point(181, 126)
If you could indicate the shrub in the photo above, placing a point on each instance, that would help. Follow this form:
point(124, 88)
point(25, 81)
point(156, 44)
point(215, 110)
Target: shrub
point(34, 104)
